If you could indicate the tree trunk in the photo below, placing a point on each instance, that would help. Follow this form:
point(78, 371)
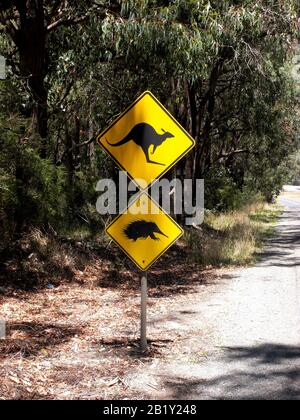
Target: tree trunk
point(70, 165)
point(31, 40)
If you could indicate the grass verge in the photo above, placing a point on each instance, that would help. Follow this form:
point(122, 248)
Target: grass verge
point(233, 238)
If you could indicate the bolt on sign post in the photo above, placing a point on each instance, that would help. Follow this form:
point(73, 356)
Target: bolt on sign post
point(145, 141)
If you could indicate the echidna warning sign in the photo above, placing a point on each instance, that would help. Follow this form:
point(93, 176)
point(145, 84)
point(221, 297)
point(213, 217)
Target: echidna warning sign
point(144, 231)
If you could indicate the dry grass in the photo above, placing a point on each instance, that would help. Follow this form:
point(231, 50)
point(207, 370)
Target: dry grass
point(233, 238)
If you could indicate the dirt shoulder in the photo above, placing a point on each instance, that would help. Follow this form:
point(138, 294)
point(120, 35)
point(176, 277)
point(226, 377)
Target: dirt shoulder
point(81, 340)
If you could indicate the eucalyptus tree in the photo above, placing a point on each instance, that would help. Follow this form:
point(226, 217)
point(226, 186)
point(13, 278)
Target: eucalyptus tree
point(27, 26)
point(224, 69)
point(221, 67)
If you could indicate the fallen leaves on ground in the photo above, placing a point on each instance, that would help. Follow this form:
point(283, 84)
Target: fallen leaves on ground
point(80, 340)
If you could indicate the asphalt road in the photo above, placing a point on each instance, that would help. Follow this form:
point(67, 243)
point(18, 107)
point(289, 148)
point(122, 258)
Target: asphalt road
point(259, 323)
point(255, 319)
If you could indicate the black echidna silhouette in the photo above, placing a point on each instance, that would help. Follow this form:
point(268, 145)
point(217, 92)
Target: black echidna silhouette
point(141, 229)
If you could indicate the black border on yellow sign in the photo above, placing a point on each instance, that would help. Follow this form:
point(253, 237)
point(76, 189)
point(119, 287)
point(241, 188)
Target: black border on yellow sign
point(164, 250)
point(102, 134)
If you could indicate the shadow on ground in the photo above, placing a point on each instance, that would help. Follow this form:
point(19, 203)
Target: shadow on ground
point(272, 372)
point(131, 347)
point(164, 279)
point(29, 338)
point(107, 264)
point(280, 248)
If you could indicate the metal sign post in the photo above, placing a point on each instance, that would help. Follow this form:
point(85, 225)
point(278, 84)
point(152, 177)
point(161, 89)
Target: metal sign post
point(144, 344)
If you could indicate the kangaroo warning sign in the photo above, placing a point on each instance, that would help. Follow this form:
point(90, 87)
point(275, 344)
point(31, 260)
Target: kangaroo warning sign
point(144, 231)
point(146, 141)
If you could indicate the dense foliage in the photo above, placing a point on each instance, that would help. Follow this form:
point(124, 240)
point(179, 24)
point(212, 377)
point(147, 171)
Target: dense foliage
point(222, 68)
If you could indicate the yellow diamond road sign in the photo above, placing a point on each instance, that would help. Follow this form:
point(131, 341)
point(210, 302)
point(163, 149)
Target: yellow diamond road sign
point(146, 141)
point(144, 231)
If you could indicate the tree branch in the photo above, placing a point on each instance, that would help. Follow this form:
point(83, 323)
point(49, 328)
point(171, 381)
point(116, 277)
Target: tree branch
point(8, 26)
point(78, 146)
point(55, 8)
point(67, 22)
point(232, 153)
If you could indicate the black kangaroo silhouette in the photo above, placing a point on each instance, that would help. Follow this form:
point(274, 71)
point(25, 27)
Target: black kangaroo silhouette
point(141, 229)
point(144, 135)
